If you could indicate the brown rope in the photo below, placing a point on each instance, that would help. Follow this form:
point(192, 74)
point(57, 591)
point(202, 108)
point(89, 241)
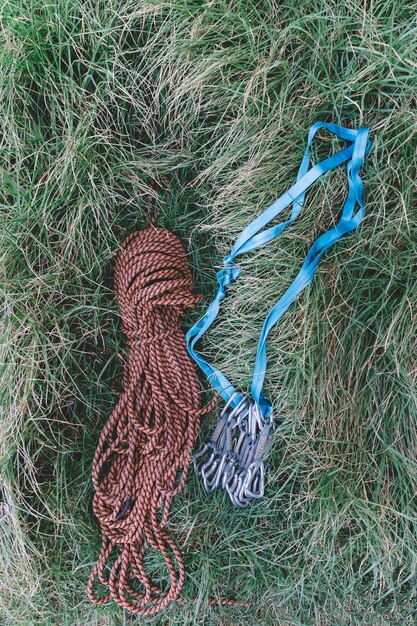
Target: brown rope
point(144, 451)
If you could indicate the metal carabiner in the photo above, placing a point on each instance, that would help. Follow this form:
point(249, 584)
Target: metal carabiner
point(254, 486)
point(264, 441)
point(248, 451)
point(233, 478)
point(243, 404)
point(257, 416)
point(233, 458)
point(239, 444)
point(219, 430)
point(227, 409)
point(230, 471)
point(238, 496)
point(232, 492)
point(207, 472)
point(212, 478)
point(241, 504)
point(203, 450)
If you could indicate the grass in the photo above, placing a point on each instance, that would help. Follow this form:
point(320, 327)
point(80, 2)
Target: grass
point(99, 99)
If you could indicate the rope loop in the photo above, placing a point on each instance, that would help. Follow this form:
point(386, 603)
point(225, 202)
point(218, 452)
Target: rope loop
point(144, 450)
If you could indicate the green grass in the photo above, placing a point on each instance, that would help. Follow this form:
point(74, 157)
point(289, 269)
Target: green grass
point(99, 99)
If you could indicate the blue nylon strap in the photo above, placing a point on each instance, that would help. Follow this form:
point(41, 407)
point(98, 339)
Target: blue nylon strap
point(225, 277)
point(252, 238)
point(248, 240)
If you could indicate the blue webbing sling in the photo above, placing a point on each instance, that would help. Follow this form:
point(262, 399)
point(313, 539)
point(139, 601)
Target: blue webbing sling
point(233, 458)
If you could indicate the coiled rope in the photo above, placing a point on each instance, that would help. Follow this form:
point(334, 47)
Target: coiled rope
point(144, 450)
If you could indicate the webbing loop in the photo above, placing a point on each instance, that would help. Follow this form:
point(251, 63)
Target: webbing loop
point(257, 234)
point(253, 237)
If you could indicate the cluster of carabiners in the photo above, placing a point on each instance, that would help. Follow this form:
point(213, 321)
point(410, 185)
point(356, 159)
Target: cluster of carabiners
point(233, 458)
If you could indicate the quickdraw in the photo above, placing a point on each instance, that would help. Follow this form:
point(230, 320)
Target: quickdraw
point(233, 458)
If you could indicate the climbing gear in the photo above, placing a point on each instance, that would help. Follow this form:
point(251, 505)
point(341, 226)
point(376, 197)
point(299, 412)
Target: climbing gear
point(233, 458)
point(145, 448)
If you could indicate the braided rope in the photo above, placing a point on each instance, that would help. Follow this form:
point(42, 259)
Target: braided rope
point(144, 450)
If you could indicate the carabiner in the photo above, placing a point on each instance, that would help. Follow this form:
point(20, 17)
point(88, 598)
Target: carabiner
point(207, 472)
point(204, 448)
point(238, 495)
point(254, 484)
point(212, 478)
